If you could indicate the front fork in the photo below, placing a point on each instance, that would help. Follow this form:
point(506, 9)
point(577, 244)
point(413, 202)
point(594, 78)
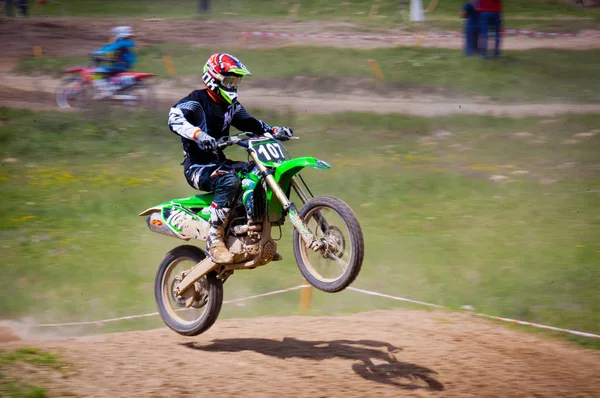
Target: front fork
point(309, 239)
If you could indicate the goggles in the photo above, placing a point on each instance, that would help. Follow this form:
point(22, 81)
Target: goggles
point(231, 82)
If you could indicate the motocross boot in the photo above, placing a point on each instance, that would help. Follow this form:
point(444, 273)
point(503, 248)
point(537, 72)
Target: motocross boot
point(215, 244)
point(104, 88)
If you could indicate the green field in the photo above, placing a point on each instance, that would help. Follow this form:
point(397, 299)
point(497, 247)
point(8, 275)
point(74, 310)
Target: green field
point(437, 228)
point(389, 11)
point(11, 368)
point(517, 77)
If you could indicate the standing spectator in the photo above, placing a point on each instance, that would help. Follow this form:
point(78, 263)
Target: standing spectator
point(490, 15)
point(469, 11)
point(24, 7)
point(203, 6)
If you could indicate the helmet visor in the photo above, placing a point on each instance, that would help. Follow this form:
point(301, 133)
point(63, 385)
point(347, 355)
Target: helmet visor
point(231, 82)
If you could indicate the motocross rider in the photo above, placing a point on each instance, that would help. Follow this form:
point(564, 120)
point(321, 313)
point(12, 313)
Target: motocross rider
point(121, 57)
point(200, 119)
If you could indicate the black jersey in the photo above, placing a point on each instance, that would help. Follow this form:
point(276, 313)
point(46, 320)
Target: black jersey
point(198, 113)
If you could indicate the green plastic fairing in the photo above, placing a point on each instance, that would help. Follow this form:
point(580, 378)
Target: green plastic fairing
point(191, 202)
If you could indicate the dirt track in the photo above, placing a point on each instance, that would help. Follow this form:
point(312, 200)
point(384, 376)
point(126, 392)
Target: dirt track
point(76, 37)
point(64, 37)
point(38, 93)
point(375, 354)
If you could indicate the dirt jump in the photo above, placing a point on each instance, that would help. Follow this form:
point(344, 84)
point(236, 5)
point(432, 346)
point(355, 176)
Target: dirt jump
point(374, 354)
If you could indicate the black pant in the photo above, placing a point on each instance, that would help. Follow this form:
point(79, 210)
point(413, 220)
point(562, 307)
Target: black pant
point(222, 179)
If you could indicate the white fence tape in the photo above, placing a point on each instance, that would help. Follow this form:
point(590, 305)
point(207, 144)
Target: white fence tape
point(537, 325)
point(393, 297)
point(401, 37)
point(362, 291)
point(45, 325)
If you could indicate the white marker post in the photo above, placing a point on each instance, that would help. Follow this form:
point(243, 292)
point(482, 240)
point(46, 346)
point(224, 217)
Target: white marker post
point(416, 11)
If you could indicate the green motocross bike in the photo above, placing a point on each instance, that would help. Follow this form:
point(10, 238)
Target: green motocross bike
point(327, 238)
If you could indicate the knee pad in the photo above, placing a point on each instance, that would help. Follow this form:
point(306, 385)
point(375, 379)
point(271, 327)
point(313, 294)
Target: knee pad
point(230, 181)
point(226, 188)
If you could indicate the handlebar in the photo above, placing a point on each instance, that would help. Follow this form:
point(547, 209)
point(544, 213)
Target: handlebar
point(235, 139)
point(99, 58)
point(224, 142)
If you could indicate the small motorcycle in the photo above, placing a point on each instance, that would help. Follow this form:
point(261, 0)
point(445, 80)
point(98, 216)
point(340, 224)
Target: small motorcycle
point(81, 87)
point(327, 237)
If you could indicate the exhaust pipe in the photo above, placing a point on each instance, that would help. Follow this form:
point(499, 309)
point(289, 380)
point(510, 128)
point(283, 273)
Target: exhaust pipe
point(156, 224)
point(190, 227)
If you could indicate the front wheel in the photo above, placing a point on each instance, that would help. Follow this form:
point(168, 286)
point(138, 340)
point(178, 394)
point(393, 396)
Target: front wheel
point(338, 262)
point(207, 293)
point(74, 92)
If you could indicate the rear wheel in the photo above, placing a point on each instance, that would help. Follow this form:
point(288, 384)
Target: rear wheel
point(207, 293)
point(338, 262)
point(74, 92)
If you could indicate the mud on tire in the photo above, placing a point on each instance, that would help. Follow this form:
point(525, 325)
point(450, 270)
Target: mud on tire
point(355, 242)
point(163, 288)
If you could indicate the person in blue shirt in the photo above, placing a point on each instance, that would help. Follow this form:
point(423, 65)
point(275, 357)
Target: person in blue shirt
point(120, 56)
point(470, 13)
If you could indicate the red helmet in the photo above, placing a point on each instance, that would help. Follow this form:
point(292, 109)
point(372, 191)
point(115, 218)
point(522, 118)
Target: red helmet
point(223, 74)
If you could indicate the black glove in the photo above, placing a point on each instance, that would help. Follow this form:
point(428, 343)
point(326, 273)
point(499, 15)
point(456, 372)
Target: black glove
point(206, 142)
point(282, 133)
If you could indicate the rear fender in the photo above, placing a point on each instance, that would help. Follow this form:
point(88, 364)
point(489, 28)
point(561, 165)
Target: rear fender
point(195, 202)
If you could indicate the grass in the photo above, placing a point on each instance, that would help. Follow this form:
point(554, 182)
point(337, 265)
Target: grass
point(358, 10)
point(546, 16)
point(437, 228)
point(15, 389)
point(31, 356)
point(517, 77)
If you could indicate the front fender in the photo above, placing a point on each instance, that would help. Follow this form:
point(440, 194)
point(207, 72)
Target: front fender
point(289, 168)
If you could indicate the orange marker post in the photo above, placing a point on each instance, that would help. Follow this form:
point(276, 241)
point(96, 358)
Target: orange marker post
point(419, 40)
point(242, 42)
point(376, 69)
point(305, 298)
point(37, 51)
point(169, 67)
point(294, 10)
point(373, 11)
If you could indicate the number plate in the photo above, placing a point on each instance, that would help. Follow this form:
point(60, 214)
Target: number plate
point(268, 151)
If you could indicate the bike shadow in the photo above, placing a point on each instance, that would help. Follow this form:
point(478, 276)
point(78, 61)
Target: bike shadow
point(363, 352)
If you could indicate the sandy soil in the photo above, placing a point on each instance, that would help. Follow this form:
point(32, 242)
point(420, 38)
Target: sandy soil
point(382, 353)
point(37, 92)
